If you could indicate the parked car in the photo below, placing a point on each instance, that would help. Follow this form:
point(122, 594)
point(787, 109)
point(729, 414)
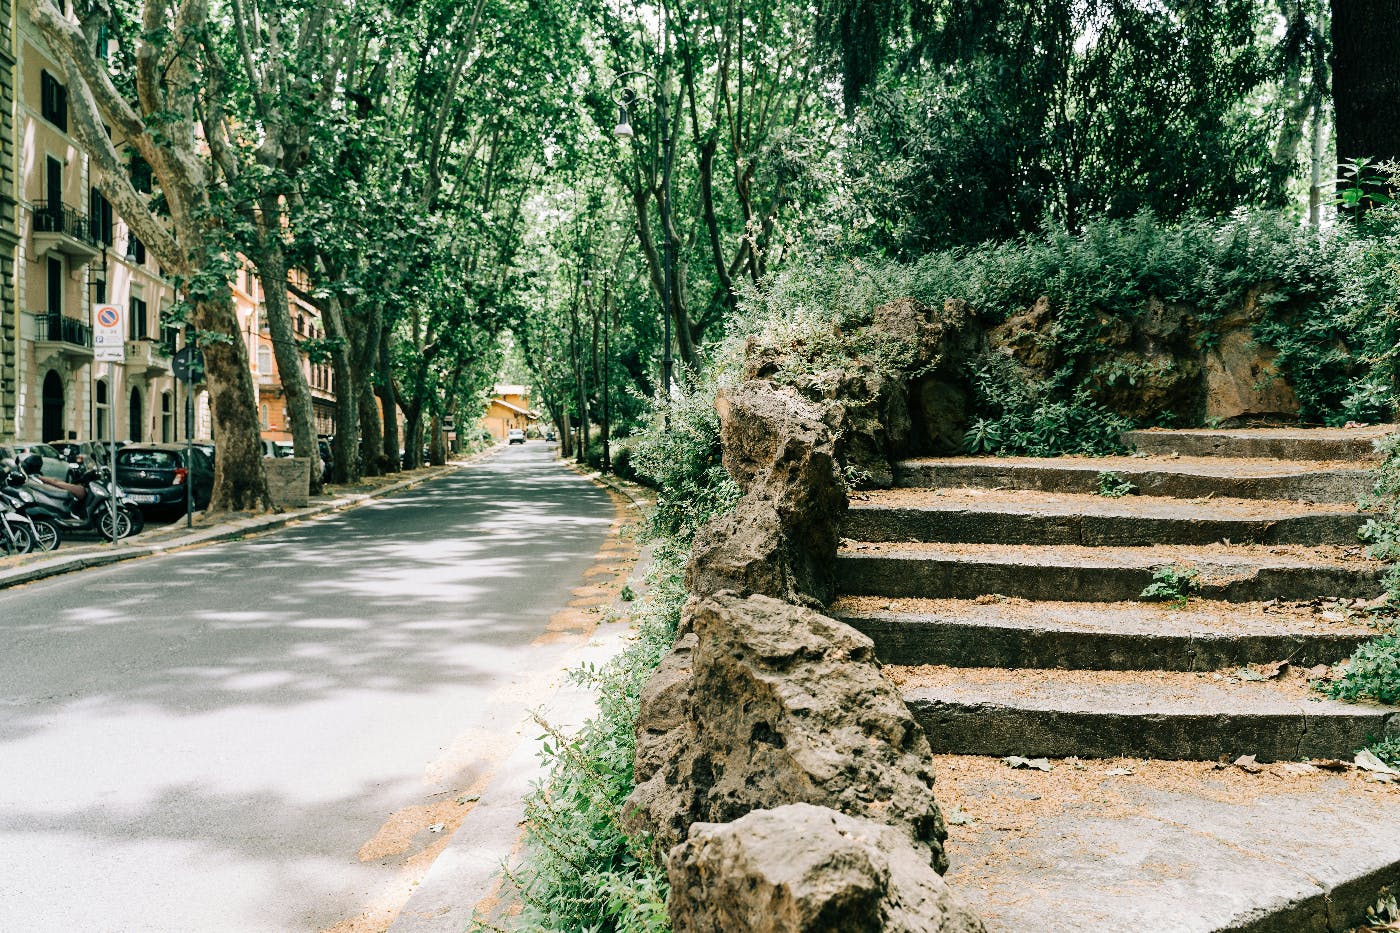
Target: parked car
point(155, 476)
point(81, 454)
point(515, 436)
point(55, 463)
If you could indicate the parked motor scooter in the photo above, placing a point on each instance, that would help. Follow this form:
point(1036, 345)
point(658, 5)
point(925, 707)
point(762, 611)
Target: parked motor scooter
point(14, 498)
point(92, 512)
point(17, 532)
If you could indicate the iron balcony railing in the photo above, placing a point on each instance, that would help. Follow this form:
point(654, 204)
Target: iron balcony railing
point(57, 217)
point(58, 328)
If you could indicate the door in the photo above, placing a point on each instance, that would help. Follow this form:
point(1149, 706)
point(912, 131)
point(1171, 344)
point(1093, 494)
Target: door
point(53, 408)
point(53, 192)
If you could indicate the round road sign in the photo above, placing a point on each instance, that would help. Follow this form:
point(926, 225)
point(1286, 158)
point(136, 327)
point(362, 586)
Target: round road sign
point(107, 316)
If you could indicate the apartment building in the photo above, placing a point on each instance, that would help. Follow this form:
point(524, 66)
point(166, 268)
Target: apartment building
point(63, 252)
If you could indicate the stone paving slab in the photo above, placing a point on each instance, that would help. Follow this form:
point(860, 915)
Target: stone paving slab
point(1177, 477)
point(1067, 572)
point(1036, 517)
point(1177, 847)
point(1291, 443)
point(1147, 714)
point(1203, 636)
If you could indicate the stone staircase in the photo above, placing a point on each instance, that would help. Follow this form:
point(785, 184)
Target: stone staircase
point(1003, 596)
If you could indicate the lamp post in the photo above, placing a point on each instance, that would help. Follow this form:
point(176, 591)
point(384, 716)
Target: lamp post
point(624, 99)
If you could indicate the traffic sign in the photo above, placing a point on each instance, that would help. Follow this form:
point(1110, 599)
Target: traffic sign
point(108, 338)
point(188, 364)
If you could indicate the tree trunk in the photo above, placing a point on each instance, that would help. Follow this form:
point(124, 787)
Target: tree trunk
point(240, 485)
point(389, 400)
point(272, 270)
point(346, 448)
point(1366, 78)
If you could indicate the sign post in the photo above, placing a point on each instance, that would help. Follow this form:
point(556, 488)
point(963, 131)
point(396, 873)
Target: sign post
point(188, 366)
point(109, 346)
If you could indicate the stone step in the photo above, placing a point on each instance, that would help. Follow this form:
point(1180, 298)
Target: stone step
point(1176, 477)
point(1183, 846)
point(1276, 443)
point(1102, 574)
point(1140, 714)
point(1032, 517)
point(1017, 633)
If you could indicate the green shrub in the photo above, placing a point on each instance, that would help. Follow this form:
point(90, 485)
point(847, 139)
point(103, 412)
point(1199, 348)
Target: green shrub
point(1112, 485)
point(582, 871)
point(1373, 672)
point(1172, 584)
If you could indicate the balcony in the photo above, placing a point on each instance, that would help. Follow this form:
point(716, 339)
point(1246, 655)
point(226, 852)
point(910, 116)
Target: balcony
point(61, 335)
point(146, 356)
point(63, 229)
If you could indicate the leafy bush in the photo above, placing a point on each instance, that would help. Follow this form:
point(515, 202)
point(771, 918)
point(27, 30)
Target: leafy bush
point(1112, 485)
point(1025, 418)
point(1172, 584)
point(1373, 672)
point(1327, 301)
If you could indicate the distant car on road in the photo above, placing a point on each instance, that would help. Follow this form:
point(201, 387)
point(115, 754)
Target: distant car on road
point(515, 436)
point(55, 463)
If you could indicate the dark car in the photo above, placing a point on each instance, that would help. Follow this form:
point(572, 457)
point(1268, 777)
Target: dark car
point(155, 476)
point(82, 454)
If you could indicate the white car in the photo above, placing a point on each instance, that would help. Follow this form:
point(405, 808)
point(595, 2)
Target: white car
point(515, 436)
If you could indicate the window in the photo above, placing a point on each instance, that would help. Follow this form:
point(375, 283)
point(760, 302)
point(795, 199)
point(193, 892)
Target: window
point(167, 417)
point(100, 217)
point(265, 360)
point(54, 102)
point(142, 176)
point(135, 249)
point(137, 312)
point(55, 286)
point(100, 287)
point(265, 422)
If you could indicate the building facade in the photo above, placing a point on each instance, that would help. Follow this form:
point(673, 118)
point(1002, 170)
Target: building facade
point(64, 252)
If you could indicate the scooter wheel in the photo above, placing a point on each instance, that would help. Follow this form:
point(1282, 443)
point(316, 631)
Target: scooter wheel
point(137, 517)
point(104, 525)
point(46, 535)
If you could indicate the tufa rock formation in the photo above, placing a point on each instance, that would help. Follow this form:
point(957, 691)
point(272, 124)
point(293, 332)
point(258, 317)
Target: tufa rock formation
point(763, 704)
point(806, 869)
point(781, 538)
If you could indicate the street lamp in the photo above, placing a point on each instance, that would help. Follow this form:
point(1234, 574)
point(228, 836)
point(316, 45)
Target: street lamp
point(625, 97)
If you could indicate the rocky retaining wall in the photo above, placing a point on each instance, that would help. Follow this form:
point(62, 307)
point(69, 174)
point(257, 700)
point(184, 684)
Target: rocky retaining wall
point(780, 777)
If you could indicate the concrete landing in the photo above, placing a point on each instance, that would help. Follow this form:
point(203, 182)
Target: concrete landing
point(1174, 847)
point(1355, 443)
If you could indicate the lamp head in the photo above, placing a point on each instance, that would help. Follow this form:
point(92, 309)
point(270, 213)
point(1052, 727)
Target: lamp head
point(623, 130)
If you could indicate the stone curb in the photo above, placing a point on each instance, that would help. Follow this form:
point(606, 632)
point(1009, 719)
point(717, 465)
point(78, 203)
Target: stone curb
point(225, 531)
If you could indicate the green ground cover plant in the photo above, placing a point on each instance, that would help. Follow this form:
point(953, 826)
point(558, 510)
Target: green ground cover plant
point(582, 871)
point(1327, 301)
point(1173, 585)
point(1112, 485)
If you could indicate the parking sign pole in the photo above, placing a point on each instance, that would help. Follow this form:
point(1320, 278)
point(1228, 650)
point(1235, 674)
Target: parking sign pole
point(112, 439)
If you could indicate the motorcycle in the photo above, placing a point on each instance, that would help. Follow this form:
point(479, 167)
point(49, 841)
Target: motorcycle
point(91, 513)
point(17, 530)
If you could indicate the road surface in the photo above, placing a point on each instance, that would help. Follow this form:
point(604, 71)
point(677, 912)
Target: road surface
point(276, 734)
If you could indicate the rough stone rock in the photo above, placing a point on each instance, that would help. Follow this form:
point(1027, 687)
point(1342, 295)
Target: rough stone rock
point(781, 538)
point(807, 869)
point(1028, 338)
point(1242, 382)
point(1142, 386)
point(783, 705)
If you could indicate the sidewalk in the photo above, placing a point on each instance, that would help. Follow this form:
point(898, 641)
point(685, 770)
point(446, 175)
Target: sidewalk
point(467, 875)
point(82, 553)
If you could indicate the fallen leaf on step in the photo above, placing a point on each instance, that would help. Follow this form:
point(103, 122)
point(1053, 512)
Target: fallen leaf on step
point(1330, 764)
point(1039, 764)
point(1247, 763)
point(1297, 768)
point(1319, 672)
point(437, 827)
point(1117, 772)
point(1273, 669)
point(1367, 761)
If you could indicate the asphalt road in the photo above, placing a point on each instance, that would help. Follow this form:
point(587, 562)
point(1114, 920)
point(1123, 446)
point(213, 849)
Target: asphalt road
point(263, 735)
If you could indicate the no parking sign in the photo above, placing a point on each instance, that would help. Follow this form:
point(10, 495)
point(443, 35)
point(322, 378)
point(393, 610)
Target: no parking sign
point(108, 339)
